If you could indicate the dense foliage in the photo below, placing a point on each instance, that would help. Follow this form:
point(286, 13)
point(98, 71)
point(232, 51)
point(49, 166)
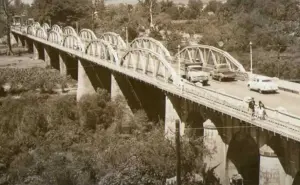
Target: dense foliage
point(20, 80)
point(53, 140)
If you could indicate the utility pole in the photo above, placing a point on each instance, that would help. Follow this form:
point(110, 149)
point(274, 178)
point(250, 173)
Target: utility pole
point(251, 70)
point(178, 157)
point(126, 32)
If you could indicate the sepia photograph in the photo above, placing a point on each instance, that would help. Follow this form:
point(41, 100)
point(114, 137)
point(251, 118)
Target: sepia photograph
point(150, 92)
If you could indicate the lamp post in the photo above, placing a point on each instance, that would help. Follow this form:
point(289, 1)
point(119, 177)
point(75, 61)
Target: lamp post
point(178, 50)
point(251, 70)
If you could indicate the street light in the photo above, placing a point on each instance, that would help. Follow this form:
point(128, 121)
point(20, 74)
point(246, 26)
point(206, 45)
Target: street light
point(251, 70)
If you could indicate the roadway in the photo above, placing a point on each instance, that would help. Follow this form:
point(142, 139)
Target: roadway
point(287, 100)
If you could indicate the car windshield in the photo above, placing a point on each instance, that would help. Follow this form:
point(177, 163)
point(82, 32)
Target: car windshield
point(266, 80)
point(195, 68)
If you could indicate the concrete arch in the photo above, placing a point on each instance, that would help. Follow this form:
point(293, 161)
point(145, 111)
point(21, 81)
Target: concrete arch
point(31, 30)
point(57, 28)
point(41, 33)
point(209, 56)
point(68, 30)
point(46, 26)
point(54, 37)
point(152, 44)
point(149, 63)
point(114, 39)
point(73, 42)
point(87, 36)
point(102, 49)
point(243, 157)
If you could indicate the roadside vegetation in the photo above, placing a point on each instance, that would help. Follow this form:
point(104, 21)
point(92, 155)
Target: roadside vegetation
point(53, 140)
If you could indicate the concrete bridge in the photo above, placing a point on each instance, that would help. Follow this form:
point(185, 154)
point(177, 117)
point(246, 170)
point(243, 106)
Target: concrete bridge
point(264, 152)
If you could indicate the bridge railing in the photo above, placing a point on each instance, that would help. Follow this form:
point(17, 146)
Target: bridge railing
point(218, 99)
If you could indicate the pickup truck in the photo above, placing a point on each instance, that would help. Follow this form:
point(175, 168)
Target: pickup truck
point(194, 73)
point(222, 72)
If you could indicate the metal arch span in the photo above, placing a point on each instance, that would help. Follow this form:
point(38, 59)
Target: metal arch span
point(36, 25)
point(114, 39)
point(103, 50)
point(68, 30)
point(209, 55)
point(46, 27)
point(152, 44)
point(87, 36)
point(73, 42)
point(41, 33)
point(57, 28)
point(31, 30)
point(149, 63)
point(54, 37)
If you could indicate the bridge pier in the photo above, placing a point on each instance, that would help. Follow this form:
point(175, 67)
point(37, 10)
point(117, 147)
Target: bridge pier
point(35, 51)
point(47, 56)
point(62, 64)
point(173, 113)
point(214, 143)
point(84, 83)
point(271, 171)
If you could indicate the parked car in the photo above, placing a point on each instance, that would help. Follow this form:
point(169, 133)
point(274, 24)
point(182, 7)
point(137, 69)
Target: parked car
point(222, 72)
point(194, 73)
point(262, 84)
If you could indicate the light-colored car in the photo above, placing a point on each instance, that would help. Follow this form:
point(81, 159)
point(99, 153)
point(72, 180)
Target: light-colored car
point(195, 74)
point(222, 72)
point(262, 84)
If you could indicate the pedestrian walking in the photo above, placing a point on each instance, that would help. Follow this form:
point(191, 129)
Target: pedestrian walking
point(252, 107)
point(261, 110)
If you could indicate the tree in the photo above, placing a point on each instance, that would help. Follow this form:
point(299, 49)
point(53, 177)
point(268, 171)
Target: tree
point(8, 11)
point(195, 8)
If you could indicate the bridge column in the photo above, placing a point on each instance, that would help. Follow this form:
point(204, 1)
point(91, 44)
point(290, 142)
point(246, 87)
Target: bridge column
point(271, 171)
point(84, 84)
point(47, 56)
point(172, 107)
point(62, 65)
point(19, 41)
point(215, 144)
point(35, 51)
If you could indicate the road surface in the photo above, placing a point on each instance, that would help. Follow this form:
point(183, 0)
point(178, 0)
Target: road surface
point(287, 100)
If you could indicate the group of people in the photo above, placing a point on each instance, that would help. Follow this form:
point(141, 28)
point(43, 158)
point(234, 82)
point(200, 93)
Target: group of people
point(261, 109)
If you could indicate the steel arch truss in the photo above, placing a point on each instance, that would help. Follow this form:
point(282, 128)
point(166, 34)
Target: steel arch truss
point(209, 56)
point(73, 42)
point(87, 36)
point(54, 37)
point(46, 27)
point(114, 39)
point(147, 62)
point(152, 44)
point(31, 30)
point(57, 28)
point(36, 25)
point(103, 50)
point(41, 33)
point(68, 30)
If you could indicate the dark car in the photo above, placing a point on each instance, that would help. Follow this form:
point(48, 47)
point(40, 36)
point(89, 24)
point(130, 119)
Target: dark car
point(222, 72)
